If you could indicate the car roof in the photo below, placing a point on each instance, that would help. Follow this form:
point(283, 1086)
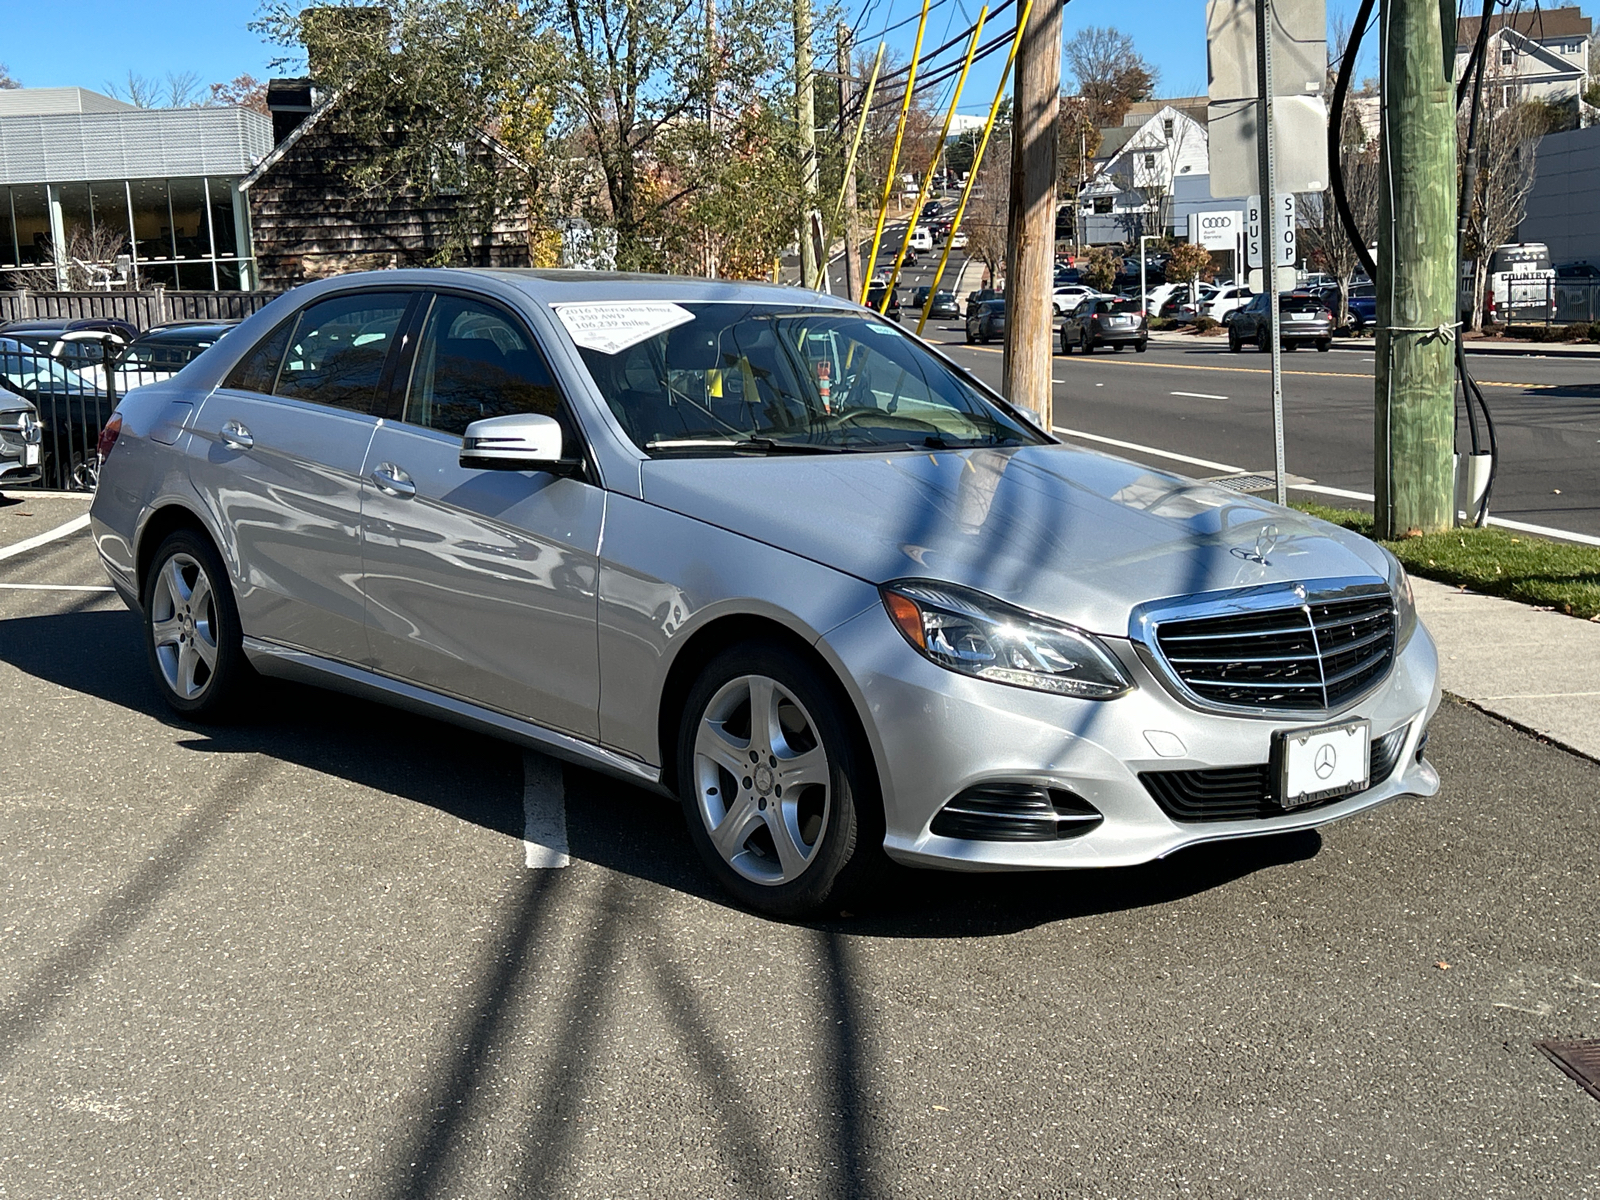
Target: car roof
point(62, 324)
point(186, 332)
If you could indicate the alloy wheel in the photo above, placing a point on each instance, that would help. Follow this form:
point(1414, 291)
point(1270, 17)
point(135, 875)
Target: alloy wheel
point(183, 625)
point(761, 780)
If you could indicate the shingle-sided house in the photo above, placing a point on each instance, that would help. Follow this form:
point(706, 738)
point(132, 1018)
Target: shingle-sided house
point(1533, 54)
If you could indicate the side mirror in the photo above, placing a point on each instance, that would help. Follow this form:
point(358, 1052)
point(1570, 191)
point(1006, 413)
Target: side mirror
point(520, 442)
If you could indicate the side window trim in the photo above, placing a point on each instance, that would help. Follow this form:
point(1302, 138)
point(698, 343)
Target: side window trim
point(395, 381)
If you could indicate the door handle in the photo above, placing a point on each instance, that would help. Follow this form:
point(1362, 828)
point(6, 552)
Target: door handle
point(392, 481)
point(236, 437)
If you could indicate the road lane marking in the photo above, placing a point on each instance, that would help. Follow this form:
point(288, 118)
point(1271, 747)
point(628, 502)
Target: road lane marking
point(1320, 489)
point(1183, 458)
point(56, 587)
point(544, 812)
point(43, 539)
point(1196, 395)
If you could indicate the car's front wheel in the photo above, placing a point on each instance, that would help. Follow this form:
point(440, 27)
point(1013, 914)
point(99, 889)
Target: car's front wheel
point(191, 624)
point(776, 789)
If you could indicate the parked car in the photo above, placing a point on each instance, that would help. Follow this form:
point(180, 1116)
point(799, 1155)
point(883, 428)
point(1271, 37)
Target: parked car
point(164, 350)
point(980, 297)
point(1224, 301)
point(1304, 320)
point(1105, 321)
point(70, 409)
point(85, 355)
point(1362, 304)
point(875, 300)
point(839, 610)
point(987, 322)
point(1067, 297)
point(21, 436)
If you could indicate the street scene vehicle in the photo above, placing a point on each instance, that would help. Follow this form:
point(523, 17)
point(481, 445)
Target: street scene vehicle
point(921, 238)
point(1224, 300)
point(875, 295)
point(70, 410)
point(584, 518)
point(944, 305)
point(1519, 284)
point(1304, 320)
point(987, 320)
point(20, 440)
point(1104, 321)
point(1067, 297)
point(163, 351)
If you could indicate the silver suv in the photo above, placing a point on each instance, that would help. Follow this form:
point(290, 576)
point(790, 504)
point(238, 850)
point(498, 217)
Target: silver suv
point(762, 550)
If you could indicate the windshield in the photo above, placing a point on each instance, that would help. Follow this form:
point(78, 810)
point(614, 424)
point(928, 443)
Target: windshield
point(741, 377)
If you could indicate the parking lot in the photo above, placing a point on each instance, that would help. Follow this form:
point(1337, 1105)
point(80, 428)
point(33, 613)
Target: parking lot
point(304, 954)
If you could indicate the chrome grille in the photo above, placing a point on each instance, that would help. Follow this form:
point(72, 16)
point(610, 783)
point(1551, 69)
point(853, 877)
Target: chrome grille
point(1314, 656)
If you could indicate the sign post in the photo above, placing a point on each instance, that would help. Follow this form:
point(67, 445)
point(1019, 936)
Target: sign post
point(1269, 274)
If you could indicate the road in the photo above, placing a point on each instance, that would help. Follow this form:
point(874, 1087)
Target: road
point(1213, 410)
point(303, 955)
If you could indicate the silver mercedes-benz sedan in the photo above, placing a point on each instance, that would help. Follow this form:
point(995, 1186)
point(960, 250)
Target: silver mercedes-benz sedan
point(760, 549)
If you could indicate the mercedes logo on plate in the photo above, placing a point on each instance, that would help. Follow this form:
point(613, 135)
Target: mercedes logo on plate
point(1327, 758)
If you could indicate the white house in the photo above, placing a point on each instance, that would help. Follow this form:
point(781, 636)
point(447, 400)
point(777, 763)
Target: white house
point(1533, 54)
point(1132, 190)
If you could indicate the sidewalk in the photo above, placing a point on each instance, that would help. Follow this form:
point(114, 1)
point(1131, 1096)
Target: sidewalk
point(1539, 670)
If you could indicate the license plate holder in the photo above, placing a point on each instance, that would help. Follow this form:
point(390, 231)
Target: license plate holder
point(1311, 765)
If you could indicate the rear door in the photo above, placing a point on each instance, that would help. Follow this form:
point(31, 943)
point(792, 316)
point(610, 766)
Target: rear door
point(277, 453)
point(481, 584)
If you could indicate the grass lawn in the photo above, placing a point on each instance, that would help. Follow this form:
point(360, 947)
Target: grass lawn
point(1494, 561)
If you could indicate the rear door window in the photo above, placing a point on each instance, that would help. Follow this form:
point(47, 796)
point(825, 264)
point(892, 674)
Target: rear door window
point(336, 354)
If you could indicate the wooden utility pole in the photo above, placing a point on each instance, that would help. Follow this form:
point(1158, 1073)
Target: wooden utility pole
point(852, 218)
point(1415, 382)
point(806, 119)
point(1031, 230)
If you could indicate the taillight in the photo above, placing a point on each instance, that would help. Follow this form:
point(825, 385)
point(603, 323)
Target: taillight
point(108, 435)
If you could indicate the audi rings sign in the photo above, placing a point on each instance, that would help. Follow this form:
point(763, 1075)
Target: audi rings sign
point(1216, 230)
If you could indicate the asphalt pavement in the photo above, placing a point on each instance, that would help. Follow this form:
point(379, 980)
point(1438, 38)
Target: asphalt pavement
point(1191, 406)
point(302, 954)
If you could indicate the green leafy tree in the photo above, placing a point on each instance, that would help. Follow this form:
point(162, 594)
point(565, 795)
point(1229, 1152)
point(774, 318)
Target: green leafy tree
point(1101, 268)
point(1191, 261)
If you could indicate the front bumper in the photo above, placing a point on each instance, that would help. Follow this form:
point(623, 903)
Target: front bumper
point(935, 733)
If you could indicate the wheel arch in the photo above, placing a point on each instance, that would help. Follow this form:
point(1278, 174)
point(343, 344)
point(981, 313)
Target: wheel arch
point(734, 629)
point(162, 521)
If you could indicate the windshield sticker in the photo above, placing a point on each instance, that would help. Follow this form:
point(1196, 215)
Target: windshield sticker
point(612, 327)
point(879, 328)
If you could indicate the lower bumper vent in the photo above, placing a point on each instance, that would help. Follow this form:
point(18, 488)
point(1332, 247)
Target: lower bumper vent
point(1016, 812)
point(1246, 793)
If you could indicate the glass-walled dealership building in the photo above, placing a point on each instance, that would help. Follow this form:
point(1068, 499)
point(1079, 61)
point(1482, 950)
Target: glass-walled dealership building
point(86, 176)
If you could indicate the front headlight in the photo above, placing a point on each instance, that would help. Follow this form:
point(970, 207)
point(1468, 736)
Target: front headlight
point(966, 631)
point(1405, 604)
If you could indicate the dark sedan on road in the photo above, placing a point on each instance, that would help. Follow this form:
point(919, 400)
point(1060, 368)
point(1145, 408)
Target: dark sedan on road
point(1104, 321)
point(986, 321)
point(875, 300)
point(1304, 318)
point(944, 307)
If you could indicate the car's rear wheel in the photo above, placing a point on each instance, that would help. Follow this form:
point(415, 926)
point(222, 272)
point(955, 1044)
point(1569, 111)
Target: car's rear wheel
point(1085, 343)
point(1235, 342)
point(1142, 345)
point(1263, 342)
point(1324, 345)
point(776, 789)
point(191, 624)
point(1066, 343)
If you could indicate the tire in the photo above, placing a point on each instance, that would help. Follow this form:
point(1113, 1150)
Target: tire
point(762, 855)
point(1142, 345)
point(192, 635)
point(984, 338)
point(1324, 345)
point(1086, 344)
point(969, 335)
point(1118, 347)
point(1263, 342)
point(1066, 345)
point(1235, 343)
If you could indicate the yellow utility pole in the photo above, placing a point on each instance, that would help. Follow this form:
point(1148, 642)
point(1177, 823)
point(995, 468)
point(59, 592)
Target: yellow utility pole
point(894, 160)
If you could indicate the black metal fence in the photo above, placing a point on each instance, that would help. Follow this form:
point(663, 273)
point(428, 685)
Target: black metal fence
point(54, 406)
point(140, 309)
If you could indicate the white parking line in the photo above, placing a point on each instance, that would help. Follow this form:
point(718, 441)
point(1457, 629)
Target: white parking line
point(33, 543)
point(544, 812)
point(1200, 395)
point(56, 587)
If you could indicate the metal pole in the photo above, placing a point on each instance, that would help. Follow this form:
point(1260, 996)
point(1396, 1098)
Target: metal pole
point(977, 157)
point(847, 187)
point(1267, 166)
point(927, 177)
point(1144, 295)
point(894, 160)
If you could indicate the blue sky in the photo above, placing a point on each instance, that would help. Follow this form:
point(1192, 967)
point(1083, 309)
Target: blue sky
point(209, 37)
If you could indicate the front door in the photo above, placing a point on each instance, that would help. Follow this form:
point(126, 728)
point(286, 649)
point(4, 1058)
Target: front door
point(481, 584)
point(277, 453)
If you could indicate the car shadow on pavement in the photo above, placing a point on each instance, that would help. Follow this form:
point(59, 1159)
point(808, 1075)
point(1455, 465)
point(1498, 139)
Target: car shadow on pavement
point(98, 652)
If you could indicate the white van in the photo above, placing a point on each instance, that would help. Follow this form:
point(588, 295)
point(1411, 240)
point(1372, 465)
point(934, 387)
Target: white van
point(921, 239)
point(1519, 288)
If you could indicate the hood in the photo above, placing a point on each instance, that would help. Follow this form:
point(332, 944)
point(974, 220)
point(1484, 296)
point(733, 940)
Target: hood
point(1073, 534)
